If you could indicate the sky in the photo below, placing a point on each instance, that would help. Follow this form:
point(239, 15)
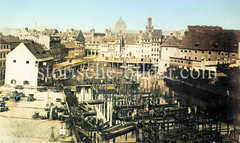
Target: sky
point(102, 14)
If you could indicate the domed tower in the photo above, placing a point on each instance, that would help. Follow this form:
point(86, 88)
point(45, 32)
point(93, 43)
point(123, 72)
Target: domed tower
point(120, 25)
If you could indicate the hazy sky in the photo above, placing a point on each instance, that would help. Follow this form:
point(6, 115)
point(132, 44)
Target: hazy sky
point(102, 14)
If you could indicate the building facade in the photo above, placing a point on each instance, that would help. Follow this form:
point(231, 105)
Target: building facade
point(4, 50)
point(28, 59)
point(168, 49)
point(203, 47)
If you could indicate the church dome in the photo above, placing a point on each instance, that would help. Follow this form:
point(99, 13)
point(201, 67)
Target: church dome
point(120, 25)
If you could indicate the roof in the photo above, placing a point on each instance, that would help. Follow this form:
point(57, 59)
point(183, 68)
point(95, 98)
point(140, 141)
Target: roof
point(157, 34)
point(75, 62)
point(50, 32)
point(37, 50)
point(3, 41)
point(170, 42)
point(99, 34)
point(211, 40)
point(131, 39)
point(11, 39)
point(146, 36)
point(80, 37)
point(70, 45)
point(198, 27)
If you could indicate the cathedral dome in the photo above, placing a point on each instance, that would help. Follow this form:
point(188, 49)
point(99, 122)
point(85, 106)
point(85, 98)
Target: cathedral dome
point(120, 25)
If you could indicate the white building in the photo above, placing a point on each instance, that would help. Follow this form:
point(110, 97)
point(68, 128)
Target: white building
point(168, 49)
point(23, 63)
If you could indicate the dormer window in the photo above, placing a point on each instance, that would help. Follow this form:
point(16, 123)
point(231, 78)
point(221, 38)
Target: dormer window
point(216, 45)
point(37, 53)
point(197, 44)
point(44, 52)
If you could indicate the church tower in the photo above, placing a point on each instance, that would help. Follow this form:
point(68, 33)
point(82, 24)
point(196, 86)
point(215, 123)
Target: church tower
point(149, 27)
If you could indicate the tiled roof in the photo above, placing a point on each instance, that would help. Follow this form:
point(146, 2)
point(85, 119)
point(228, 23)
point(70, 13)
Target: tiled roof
point(170, 42)
point(211, 40)
point(70, 45)
point(131, 39)
point(156, 34)
point(37, 50)
point(146, 36)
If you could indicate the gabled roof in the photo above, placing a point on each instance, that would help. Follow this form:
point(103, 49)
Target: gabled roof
point(80, 37)
point(170, 42)
point(37, 50)
point(146, 36)
point(156, 34)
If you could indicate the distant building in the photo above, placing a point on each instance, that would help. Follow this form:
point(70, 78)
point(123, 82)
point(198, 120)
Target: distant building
point(146, 45)
point(120, 25)
point(41, 37)
point(75, 48)
point(23, 64)
point(57, 50)
point(110, 48)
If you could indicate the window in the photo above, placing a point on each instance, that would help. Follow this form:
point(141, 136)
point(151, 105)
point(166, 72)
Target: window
point(26, 82)
point(210, 52)
point(195, 51)
point(14, 61)
point(209, 59)
point(13, 81)
point(203, 52)
point(166, 48)
point(27, 62)
point(233, 54)
point(195, 58)
point(219, 53)
point(165, 65)
point(181, 50)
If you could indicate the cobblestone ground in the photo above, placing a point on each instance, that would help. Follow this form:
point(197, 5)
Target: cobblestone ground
point(17, 125)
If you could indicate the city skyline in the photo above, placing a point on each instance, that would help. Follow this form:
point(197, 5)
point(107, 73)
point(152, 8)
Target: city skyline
point(100, 15)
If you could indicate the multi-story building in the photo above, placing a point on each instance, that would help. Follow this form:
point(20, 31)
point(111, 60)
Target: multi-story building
point(4, 50)
point(76, 48)
point(31, 62)
point(145, 46)
point(110, 47)
point(168, 49)
point(203, 47)
point(57, 50)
